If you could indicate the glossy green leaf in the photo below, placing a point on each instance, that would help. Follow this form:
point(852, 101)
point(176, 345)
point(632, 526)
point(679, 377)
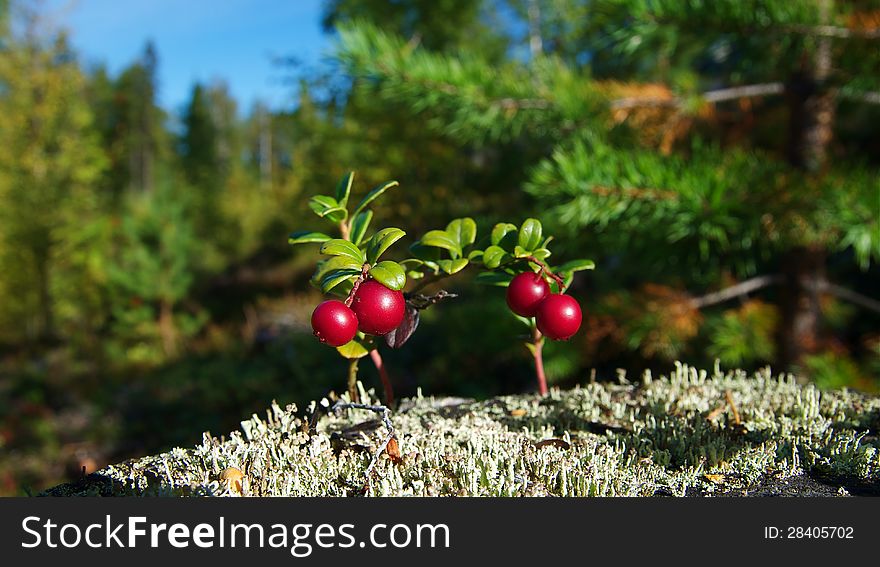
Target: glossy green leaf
point(343, 189)
point(576, 266)
point(493, 256)
point(501, 279)
point(441, 239)
point(359, 225)
point(463, 231)
point(353, 350)
point(306, 237)
point(530, 234)
point(475, 255)
point(327, 207)
point(374, 194)
point(390, 274)
point(341, 247)
point(381, 241)
point(500, 234)
point(335, 277)
point(520, 252)
point(541, 254)
point(415, 274)
point(453, 266)
point(411, 263)
point(334, 263)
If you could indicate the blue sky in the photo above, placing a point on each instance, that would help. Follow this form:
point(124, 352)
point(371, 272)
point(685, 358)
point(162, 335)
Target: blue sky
point(202, 40)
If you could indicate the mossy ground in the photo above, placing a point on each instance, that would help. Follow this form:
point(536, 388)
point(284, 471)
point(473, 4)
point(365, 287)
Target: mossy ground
point(690, 433)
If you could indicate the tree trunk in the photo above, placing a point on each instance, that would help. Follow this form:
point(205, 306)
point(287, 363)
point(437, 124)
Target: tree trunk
point(811, 122)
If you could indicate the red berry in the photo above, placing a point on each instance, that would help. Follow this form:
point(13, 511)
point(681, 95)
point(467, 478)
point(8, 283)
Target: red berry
point(559, 316)
point(526, 292)
point(379, 310)
point(334, 323)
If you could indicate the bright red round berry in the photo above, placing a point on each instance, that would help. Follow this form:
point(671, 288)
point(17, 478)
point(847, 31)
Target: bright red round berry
point(334, 323)
point(379, 310)
point(559, 316)
point(526, 292)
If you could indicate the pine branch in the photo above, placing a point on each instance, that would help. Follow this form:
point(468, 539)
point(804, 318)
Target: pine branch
point(824, 286)
point(714, 96)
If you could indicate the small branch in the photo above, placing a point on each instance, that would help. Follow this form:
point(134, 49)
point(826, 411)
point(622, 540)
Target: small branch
point(715, 96)
point(352, 380)
point(834, 32)
point(560, 283)
point(385, 412)
point(421, 301)
point(844, 293)
point(869, 97)
point(735, 291)
point(357, 284)
point(383, 375)
point(538, 353)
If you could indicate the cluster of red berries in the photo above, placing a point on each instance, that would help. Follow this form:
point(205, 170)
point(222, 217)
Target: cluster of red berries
point(557, 315)
point(375, 310)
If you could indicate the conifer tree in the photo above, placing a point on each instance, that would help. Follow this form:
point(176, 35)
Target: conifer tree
point(688, 141)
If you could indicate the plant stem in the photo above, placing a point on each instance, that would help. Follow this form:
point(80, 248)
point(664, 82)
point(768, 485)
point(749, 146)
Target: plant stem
point(345, 230)
point(357, 284)
point(352, 380)
point(560, 283)
point(537, 352)
point(383, 375)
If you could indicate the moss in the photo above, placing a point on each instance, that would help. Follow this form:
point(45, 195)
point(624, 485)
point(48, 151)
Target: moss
point(692, 432)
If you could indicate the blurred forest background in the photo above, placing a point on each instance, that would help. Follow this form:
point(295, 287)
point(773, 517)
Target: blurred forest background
point(719, 161)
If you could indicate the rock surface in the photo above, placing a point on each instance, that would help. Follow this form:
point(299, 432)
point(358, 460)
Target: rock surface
point(692, 433)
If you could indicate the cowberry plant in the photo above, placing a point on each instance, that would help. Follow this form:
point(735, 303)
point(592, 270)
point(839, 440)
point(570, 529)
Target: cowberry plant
point(369, 302)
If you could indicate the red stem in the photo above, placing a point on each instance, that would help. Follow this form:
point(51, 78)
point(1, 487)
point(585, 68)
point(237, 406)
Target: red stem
point(538, 342)
point(357, 283)
point(383, 374)
point(560, 283)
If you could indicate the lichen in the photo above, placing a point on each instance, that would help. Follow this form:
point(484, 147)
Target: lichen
point(691, 432)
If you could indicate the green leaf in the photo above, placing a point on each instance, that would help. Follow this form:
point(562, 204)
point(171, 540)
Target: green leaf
point(353, 349)
point(541, 254)
point(334, 263)
point(530, 234)
point(463, 231)
point(374, 194)
point(453, 266)
point(501, 279)
point(327, 207)
point(335, 277)
point(441, 239)
point(390, 274)
point(475, 255)
point(343, 189)
point(341, 247)
point(576, 266)
point(493, 256)
point(306, 237)
point(413, 262)
point(500, 234)
point(381, 241)
point(415, 274)
point(359, 225)
point(520, 252)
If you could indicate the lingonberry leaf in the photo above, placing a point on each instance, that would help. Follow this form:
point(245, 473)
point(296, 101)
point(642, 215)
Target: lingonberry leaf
point(463, 231)
point(353, 349)
point(541, 253)
point(334, 263)
point(373, 195)
point(306, 237)
point(359, 225)
point(390, 274)
point(397, 337)
point(453, 266)
point(343, 189)
point(500, 279)
point(576, 266)
point(530, 234)
point(520, 252)
point(327, 207)
point(335, 277)
point(381, 241)
point(342, 247)
point(475, 255)
point(493, 256)
point(503, 234)
point(442, 239)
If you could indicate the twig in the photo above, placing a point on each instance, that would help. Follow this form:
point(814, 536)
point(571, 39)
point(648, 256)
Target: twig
point(420, 301)
point(383, 375)
point(560, 283)
point(734, 291)
point(365, 269)
point(729, 396)
point(352, 379)
point(844, 293)
point(385, 412)
point(537, 352)
point(834, 31)
point(714, 96)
